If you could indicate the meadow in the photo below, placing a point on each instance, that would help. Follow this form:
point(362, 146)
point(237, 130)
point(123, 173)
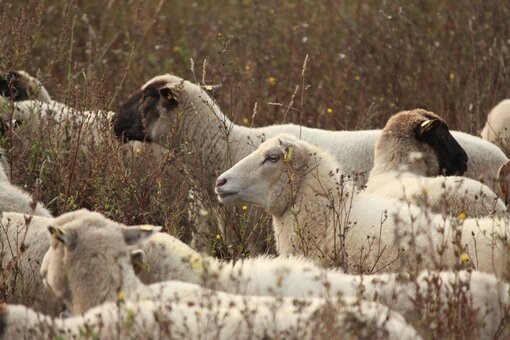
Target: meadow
point(338, 65)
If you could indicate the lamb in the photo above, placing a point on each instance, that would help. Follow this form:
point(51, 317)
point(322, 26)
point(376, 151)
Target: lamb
point(497, 125)
point(23, 243)
point(162, 257)
point(403, 158)
point(93, 244)
point(317, 214)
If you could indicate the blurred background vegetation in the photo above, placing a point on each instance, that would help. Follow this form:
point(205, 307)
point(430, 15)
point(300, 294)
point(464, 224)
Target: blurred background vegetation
point(367, 59)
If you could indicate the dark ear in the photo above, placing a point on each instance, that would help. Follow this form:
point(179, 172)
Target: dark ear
point(167, 93)
point(427, 126)
point(138, 234)
point(62, 236)
point(4, 87)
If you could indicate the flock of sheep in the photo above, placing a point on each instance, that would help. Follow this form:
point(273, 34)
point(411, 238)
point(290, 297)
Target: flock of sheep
point(370, 226)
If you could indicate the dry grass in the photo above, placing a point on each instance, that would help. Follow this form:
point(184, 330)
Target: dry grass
point(366, 61)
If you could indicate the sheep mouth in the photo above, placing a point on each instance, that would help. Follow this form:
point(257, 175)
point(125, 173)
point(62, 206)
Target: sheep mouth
point(226, 196)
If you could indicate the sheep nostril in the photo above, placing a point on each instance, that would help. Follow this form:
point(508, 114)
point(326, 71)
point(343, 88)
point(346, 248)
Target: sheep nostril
point(221, 181)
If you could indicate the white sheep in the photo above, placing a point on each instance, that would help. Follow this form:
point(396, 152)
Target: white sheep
point(317, 214)
point(496, 129)
point(162, 257)
point(96, 268)
point(403, 159)
point(14, 199)
point(172, 112)
point(23, 243)
point(161, 100)
point(197, 313)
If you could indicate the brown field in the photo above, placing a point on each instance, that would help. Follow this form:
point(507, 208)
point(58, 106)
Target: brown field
point(365, 61)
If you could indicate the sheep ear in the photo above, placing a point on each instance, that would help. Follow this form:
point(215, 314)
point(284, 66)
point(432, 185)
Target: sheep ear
point(168, 94)
point(137, 234)
point(295, 154)
point(427, 126)
point(503, 178)
point(60, 235)
point(138, 260)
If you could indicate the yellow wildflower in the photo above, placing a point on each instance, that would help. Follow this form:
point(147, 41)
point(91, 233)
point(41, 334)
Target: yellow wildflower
point(461, 216)
point(218, 236)
point(176, 49)
point(357, 77)
point(271, 81)
point(464, 258)
point(246, 121)
point(138, 151)
point(452, 76)
point(245, 207)
point(329, 110)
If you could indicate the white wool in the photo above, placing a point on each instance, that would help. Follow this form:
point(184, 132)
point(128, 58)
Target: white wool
point(194, 313)
point(20, 268)
point(352, 150)
point(203, 124)
point(317, 216)
point(94, 243)
point(14, 199)
point(167, 258)
point(401, 170)
point(497, 126)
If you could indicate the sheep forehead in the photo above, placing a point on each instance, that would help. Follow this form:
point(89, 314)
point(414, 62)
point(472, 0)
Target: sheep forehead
point(279, 142)
point(169, 79)
point(91, 226)
point(406, 121)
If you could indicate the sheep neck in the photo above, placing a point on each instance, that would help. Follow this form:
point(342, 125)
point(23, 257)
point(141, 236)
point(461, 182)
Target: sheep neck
point(82, 300)
point(220, 142)
point(316, 202)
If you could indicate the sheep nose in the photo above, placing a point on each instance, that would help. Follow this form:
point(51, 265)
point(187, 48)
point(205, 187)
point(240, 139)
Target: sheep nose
point(221, 182)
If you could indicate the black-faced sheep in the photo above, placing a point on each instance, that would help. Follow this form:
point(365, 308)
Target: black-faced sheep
point(415, 142)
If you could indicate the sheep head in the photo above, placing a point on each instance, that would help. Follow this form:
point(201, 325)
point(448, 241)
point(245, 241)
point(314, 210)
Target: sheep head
point(148, 114)
point(88, 258)
point(268, 177)
point(409, 132)
point(19, 86)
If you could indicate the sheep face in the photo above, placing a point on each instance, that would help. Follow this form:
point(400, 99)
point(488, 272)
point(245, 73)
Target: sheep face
point(11, 86)
point(268, 177)
point(425, 132)
point(145, 115)
point(84, 244)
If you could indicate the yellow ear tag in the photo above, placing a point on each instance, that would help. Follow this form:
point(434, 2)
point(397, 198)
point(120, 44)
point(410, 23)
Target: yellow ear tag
point(147, 227)
point(208, 87)
point(288, 155)
point(426, 123)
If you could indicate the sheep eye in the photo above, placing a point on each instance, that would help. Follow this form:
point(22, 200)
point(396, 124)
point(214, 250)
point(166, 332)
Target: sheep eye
point(273, 158)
